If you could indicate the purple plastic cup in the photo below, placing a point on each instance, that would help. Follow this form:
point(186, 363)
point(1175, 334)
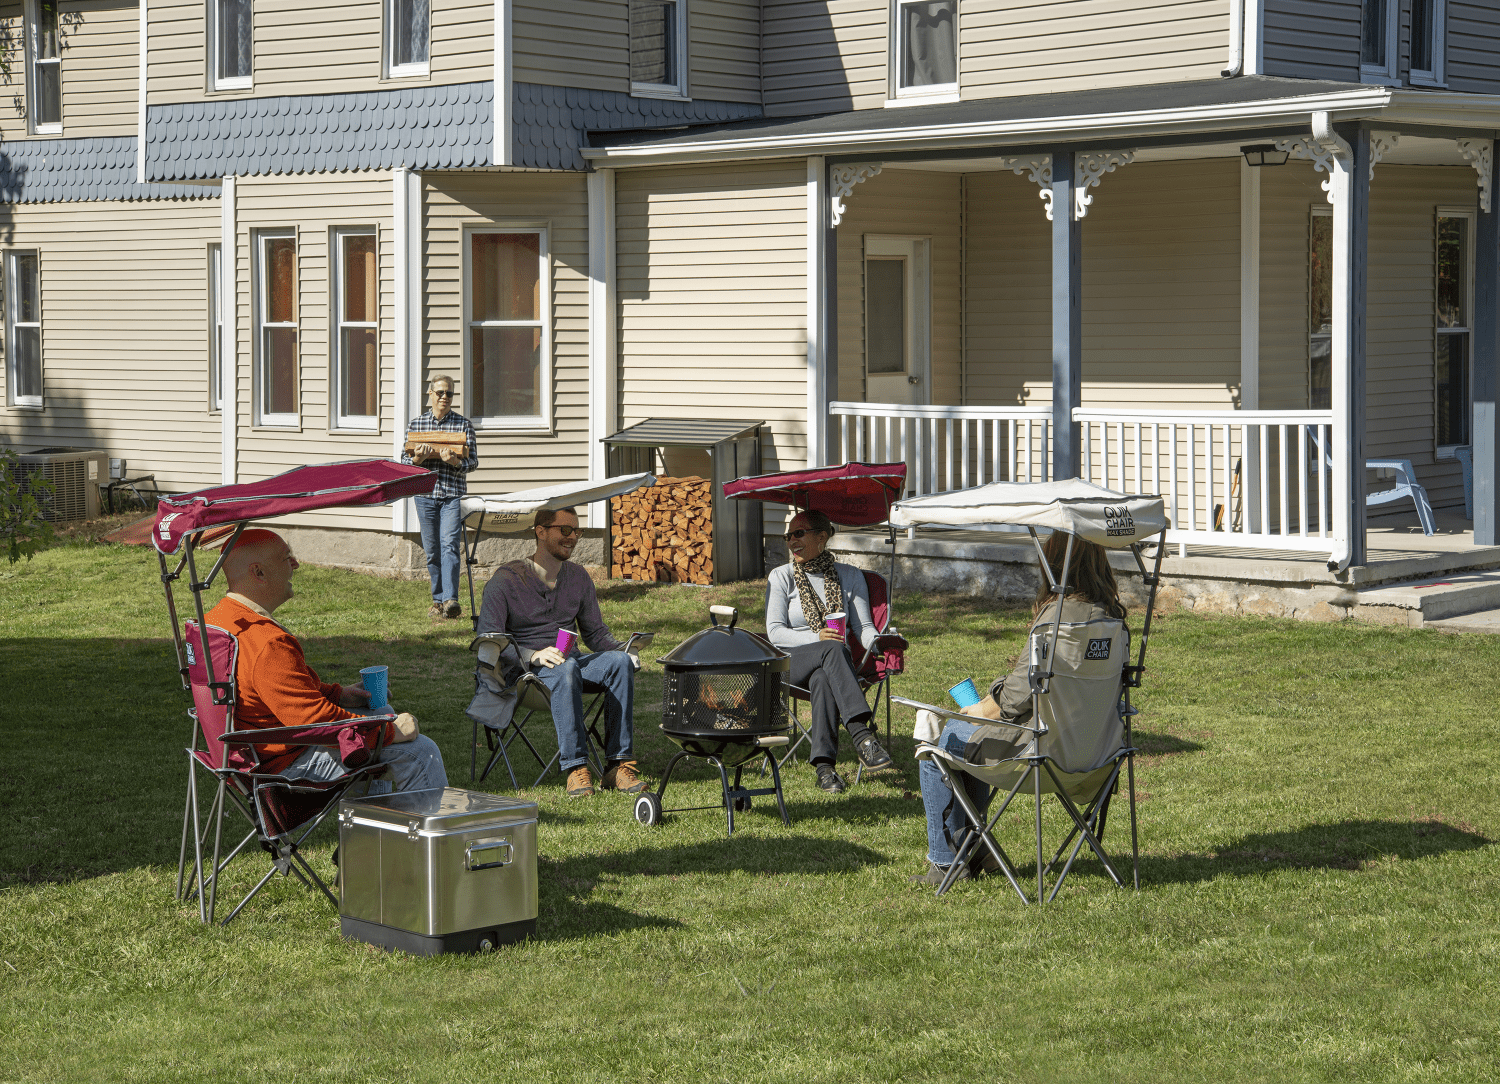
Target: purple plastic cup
point(566, 638)
point(964, 694)
point(835, 622)
point(376, 680)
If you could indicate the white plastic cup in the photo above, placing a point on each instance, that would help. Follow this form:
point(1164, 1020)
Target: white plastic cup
point(376, 680)
point(835, 622)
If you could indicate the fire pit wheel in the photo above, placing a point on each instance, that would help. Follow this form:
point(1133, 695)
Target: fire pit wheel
point(648, 809)
point(742, 805)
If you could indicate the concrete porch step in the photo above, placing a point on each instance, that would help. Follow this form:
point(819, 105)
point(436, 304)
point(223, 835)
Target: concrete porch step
point(1422, 602)
point(1481, 621)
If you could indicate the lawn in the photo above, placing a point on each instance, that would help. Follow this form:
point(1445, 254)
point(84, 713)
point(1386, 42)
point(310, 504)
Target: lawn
point(1319, 882)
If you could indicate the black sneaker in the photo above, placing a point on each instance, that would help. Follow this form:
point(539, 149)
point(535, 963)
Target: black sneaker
point(872, 756)
point(935, 874)
point(451, 608)
point(829, 780)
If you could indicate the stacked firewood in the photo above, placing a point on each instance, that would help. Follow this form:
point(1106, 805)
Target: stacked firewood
point(665, 533)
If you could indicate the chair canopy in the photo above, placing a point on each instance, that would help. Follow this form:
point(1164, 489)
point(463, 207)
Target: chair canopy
point(852, 495)
point(1111, 519)
point(516, 512)
point(301, 489)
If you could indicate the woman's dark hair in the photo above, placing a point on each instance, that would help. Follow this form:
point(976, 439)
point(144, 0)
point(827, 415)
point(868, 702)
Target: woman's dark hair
point(817, 521)
point(1090, 576)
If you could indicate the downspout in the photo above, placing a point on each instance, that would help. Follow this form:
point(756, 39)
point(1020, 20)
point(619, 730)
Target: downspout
point(1236, 39)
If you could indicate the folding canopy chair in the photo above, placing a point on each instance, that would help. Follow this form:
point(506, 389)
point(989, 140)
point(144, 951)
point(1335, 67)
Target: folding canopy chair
point(851, 495)
point(280, 812)
point(1080, 674)
point(515, 514)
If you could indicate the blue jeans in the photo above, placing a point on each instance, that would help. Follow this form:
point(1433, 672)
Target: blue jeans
point(439, 518)
point(611, 671)
point(414, 765)
point(946, 819)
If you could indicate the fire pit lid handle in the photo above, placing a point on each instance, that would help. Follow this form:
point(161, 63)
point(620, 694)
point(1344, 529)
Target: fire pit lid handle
point(715, 612)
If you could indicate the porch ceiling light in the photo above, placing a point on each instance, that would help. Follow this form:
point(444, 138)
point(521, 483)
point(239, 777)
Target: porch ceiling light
point(1264, 154)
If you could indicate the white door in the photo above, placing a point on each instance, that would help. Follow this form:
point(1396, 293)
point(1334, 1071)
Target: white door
point(897, 320)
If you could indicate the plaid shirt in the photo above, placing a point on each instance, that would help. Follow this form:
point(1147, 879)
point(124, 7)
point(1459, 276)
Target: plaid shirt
point(450, 481)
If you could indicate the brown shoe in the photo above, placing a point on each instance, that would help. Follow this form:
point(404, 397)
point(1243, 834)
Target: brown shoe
point(623, 777)
point(435, 610)
point(580, 783)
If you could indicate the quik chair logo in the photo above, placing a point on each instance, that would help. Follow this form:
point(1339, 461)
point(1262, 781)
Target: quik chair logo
point(1098, 649)
point(1118, 522)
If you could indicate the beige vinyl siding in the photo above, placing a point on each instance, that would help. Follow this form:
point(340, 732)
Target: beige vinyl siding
point(712, 285)
point(97, 40)
point(571, 43)
point(901, 203)
point(124, 335)
point(1007, 319)
point(724, 50)
point(822, 57)
point(332, 49)
point(514, 460)
point(1033, 46)
point(314, 206)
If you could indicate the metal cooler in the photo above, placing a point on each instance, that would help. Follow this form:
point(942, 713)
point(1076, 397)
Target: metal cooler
point(433, 871)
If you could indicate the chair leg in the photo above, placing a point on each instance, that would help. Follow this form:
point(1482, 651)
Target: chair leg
point(187, 819)
point(217, 817)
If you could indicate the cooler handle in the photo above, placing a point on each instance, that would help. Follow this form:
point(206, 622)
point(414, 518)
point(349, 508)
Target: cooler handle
point(477, 849)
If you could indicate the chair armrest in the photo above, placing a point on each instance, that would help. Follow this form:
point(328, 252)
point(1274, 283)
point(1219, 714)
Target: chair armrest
point(317, 734)
point(502, 639)
point(891, 641)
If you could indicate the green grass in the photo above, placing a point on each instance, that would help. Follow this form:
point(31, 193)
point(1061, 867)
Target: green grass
point(1319, 886)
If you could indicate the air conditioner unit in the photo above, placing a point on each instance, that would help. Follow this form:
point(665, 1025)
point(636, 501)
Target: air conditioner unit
point(75, 474)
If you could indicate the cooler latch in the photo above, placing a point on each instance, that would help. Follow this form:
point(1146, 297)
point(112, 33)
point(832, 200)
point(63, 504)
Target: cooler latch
point(485, 854)
point(413, 830)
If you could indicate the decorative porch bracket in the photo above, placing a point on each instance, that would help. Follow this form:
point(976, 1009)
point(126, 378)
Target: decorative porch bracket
point(1088, 170)
point(1481, 154)
point(841, 181)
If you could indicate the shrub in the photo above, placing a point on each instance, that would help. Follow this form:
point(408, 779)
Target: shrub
point(23, 497)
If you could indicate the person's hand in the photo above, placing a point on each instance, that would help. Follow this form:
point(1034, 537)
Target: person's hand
point(829, 634)
point(548, 657)
point(423, 452)
point(985, 709)
point(406, 728)
point(449, 456)
point(354, 697)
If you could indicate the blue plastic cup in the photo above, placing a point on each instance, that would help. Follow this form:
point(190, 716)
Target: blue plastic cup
point(377, 682)
point(964, 694)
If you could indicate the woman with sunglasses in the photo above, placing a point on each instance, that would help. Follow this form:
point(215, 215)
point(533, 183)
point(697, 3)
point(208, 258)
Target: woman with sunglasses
point(799, 596)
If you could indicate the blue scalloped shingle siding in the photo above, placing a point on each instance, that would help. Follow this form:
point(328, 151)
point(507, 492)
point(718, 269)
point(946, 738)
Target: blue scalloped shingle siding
point(72, 170)
point(548, 123)
point(429, 127)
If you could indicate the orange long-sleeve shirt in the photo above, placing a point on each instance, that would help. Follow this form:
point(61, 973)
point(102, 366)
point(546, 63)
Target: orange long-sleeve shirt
point(274, 686)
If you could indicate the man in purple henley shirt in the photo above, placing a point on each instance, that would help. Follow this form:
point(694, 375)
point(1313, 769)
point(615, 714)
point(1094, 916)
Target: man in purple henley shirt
point(530, 600)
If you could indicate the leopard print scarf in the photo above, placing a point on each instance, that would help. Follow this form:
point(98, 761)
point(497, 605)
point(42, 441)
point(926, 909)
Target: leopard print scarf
point(813, 608)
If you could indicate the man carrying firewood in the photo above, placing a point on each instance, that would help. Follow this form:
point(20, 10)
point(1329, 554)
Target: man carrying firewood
point(531, 601)
point(453, 453)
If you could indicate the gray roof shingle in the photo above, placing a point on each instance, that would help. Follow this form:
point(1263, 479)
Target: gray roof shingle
point(74, 170)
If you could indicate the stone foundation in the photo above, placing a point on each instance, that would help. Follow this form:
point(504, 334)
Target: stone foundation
point(400, 556)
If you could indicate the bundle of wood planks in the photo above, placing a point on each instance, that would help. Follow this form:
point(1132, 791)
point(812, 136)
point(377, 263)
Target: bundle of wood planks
point(665, 533)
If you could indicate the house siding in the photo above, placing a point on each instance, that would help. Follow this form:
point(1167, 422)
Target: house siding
point(724, 50)
point(1313, 39)
point(712, 286)
point(97, 40)
point(1473, 47)
point(594, 53)
point(819, 57)
point(124, 335)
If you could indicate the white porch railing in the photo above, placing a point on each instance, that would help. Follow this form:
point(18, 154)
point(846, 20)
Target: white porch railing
point(1260, 479)
point(948, 447)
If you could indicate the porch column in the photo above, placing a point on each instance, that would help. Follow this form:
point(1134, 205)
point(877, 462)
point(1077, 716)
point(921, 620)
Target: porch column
point(1349, 181)
point(1067, 318)
point(603, 360)
point(820, 301)
point(1485, 423)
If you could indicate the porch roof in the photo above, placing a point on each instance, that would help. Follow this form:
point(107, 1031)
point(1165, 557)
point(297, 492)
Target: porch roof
point(1105, 117)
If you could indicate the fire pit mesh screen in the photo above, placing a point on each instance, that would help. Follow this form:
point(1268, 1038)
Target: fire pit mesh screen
point(719, 701)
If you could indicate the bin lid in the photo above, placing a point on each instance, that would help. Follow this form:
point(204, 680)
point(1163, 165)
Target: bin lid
point(681, 433)
point(446, 810)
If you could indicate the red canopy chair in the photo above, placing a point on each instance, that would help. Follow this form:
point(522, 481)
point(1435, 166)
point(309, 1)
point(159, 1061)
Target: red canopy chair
point(851, 495)
point(281, 813)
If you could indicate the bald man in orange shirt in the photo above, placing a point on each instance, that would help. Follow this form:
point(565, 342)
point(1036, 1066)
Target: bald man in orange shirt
point(275, 686)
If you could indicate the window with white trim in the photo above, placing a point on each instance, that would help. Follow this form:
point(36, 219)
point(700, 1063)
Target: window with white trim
point(276, 329)
point(407, 32)
point(215, 332)
point(924, 49)
point(658, 47)
point(1453, 309)
point(231, 44)
point(1428, 40)
point(1379, 40)
point(507, 315)
point(43, 67)
point(357, 330)
point(23, 327)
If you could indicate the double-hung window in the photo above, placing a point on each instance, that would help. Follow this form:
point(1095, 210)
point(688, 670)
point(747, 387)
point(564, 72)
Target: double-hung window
point(357, 331)
point(406, 36)
point(231, 44)
point(1453, 305)
point(1379, 40)
point(276, 328)
point(23, 327)
point(924, 49)
point(44, 67)
point(1428, 38)
point(658, 47)
point(215, 331)
point(506, 309)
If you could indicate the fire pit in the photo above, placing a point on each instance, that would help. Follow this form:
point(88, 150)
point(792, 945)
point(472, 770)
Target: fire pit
point(723, 704)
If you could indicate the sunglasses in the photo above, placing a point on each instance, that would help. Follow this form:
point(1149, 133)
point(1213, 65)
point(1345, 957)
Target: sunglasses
point(566, 532)
point(798, 533)
point(443, 394)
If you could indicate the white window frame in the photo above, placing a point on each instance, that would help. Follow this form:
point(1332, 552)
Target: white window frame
point(1383, 73)
point(27, 402)
point(364, 423)
point(677, 91)
point(1437, 75)
point(937, 92)
point(233, 82)
point(33, 47)
point(1448, 451)
point(403, 71)
point(517, 423)
point(215, 330)
point(259, 302)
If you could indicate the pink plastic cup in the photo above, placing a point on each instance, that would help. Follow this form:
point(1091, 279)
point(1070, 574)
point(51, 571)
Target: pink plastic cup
point(834, 622)
point(566, 638)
